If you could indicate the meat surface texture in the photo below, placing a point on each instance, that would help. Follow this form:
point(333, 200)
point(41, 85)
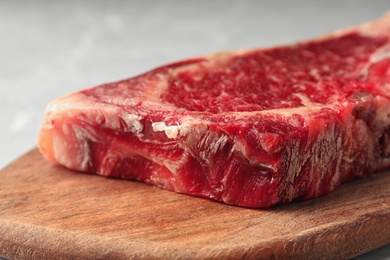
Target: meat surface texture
point(251, 128)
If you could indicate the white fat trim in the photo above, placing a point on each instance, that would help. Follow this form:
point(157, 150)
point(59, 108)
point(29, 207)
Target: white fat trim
point(375, 28)
point(179, 130)
point(133, 122)
point(83, 156)
point(282, 111)
point(60, 151)
point(72, 154)
point(193, 124)
point(171, 131)
point(378, 56)
point(381, 54)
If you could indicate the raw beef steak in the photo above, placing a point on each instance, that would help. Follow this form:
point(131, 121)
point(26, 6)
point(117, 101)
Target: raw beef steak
point(251, 128)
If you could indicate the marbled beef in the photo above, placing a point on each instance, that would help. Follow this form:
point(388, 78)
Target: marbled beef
point(252, 128)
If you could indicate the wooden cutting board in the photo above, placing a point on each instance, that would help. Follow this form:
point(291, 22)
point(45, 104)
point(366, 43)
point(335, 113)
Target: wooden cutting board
point(48, 212)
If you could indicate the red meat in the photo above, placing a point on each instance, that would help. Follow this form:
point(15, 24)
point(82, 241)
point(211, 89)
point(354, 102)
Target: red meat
point(252, 128)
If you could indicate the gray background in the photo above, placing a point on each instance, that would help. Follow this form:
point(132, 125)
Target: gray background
point(51, 48)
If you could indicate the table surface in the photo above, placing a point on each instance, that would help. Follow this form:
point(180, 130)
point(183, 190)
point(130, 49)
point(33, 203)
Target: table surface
point(51, 48)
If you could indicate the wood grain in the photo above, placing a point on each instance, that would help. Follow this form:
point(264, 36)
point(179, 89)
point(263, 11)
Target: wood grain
point(48, 212)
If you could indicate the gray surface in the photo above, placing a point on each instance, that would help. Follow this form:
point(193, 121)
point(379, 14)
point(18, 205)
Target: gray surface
point(51, 48)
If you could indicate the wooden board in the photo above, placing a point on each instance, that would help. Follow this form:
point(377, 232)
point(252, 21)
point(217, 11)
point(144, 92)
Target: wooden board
point(48, 212)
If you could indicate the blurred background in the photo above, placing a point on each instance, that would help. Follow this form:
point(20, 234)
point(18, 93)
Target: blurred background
point(51, 48)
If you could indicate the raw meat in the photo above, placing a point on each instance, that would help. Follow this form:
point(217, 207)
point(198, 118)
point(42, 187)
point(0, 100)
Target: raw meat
point(252, 128)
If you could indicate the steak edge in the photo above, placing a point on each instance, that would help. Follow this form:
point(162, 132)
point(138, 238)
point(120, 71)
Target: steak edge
point(251, 128)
